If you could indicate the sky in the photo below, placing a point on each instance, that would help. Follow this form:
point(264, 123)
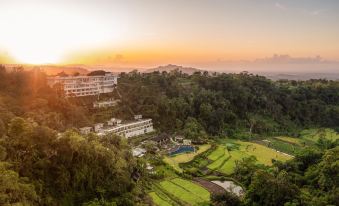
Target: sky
point(211, 34)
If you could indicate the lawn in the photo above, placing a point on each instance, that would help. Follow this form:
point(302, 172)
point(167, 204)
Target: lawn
point(159, 200)
point(185, 157)
point(186, 191)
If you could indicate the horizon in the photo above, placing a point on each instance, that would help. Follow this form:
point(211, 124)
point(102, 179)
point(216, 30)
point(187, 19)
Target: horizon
point(227, 36)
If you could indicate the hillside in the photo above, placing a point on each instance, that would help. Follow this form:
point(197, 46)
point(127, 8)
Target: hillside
point(300, 76)
point(171, 67)
point(242, 128)
point(50, 69)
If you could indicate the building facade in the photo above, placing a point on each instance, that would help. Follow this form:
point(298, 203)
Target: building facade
point(128, 129)
point(105, 104)
point(76, 86)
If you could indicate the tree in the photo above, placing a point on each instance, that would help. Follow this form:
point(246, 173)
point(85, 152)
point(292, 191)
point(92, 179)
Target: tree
point(315, 173)
point(18, 127)
point(2, 128)
point(97, 202)
point(225, 199)
point(266, 189)
point(245, 169)
point(15, 190)
point(96, 73)
point(193, 130)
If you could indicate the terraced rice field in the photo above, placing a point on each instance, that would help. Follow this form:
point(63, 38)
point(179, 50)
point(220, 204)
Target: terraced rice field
point(158, 200)
point(224, 161)
point(193, 188)
point(291, 140)
point(218, 156)
point(286, 145)
point(182, 158)
point(263, 154)
point(185, 191)
point(307, 138)
point(313, 135)
point(229, 166)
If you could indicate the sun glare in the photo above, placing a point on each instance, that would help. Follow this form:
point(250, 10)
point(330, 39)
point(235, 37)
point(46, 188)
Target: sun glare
point(37, 35)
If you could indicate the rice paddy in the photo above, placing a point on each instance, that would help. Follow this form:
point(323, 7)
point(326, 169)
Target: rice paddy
point(169, 192)
point(174, 161)
point(227, 153)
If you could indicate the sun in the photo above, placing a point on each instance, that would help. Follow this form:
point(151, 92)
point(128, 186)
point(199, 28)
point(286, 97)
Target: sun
point(38, 34)
point(37, 59)
point(34, 54)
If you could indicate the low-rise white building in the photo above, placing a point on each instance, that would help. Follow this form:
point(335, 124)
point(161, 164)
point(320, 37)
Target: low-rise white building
point(85, 85)
point(187, 142)
point(105, 104)
point(128, 129)
point(85, 130)
point(138, 152)
point(98, 127)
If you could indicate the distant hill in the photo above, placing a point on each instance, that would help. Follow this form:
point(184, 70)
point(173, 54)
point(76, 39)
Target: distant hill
point(51, 69)
point(300, 76)
point(171, 67)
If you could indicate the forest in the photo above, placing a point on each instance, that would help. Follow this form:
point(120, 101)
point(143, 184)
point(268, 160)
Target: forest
point(44, 160)
point(232, 105)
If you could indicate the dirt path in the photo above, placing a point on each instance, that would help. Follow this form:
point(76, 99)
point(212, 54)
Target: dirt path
point(210, 186)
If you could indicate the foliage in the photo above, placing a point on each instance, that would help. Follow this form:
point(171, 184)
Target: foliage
point(46, 162)
point(245, 169)
point(193, 130)
point(26, 94)
point(228, 103)
point(15, 190)
point(266, 189)
point(308, 179)
point(67, 168)
point(225, 199)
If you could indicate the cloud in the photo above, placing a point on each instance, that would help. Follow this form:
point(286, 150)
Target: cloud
point(274, 63)
point(280, 6)
point(287, 59)
point(315, 12)
point(280, 59)
point(119, 58)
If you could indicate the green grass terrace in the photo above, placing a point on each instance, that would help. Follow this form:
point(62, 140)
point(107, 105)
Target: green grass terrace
point(178, 191)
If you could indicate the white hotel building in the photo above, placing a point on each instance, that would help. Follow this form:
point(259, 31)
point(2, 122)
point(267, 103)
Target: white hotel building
point(125, 129)
point(128, 129)
point(85, 85)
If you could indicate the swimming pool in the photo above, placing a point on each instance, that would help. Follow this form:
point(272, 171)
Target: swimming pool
point(182, 149)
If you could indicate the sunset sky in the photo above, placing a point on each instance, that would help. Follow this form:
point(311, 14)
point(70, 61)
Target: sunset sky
point(211, 34)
